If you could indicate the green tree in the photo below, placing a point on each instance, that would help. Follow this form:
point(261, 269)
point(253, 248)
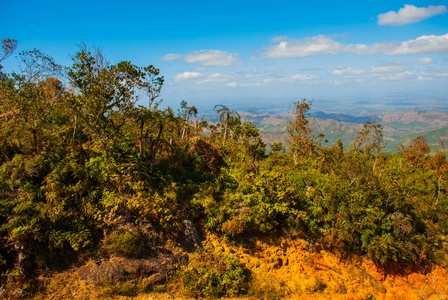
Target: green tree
point(224, 116)
point(152, 86)
point(300, 143)
point(277, 147)
point(30, 97)
point(417, 152)
point(105, 95)
point(186, 112)
point(8, 47)
point(248, 136)
point(369, 139)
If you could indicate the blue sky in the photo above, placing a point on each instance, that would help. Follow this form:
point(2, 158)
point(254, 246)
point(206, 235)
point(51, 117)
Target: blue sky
point(232, 51)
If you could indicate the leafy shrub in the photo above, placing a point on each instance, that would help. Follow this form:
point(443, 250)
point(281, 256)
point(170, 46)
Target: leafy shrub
point(125, 243)
point(210, 274)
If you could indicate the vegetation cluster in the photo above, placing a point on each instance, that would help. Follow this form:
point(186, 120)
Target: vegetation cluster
point(86, 170)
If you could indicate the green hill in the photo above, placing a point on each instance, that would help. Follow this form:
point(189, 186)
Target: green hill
point(398, 128)
point(436, 137)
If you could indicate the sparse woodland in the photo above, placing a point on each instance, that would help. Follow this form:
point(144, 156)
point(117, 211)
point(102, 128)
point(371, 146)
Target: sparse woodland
point(90, 167)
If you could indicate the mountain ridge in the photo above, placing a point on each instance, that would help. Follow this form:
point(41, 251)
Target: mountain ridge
point(399, 128)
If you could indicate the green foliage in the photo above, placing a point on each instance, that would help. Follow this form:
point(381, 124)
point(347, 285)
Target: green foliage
point(300, 142)
point(226, 117)
point(277, 147)
point(210, 274)
point(369, 297)
point(8, 47)
point(126, 243)
point(369, 138)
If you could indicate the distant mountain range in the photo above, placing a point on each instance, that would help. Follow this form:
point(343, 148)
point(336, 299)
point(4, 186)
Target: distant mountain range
point(399, 128)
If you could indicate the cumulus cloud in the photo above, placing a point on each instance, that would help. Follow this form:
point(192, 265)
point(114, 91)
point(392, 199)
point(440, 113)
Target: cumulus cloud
point(214, 78)
point(388, 69)
point(185, 76)
point(421, 45)
point(277, 39)
point(200, 78)
point(433, 74)
point(292, 79)
point(410, 14)
point(268, 81)
point(211, 58)
point(395, 71)
point(302, 77)
point(347, 71)
point(244, 79)
point(324, 45)
point(206, 58)
point(423, 61)
point(172, 56)
point(244, 84)
point(405, 75)
point(393, 68)
point(313, 46)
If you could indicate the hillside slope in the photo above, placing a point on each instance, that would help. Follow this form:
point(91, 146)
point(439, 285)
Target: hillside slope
point(281, 268)
point(398, 128)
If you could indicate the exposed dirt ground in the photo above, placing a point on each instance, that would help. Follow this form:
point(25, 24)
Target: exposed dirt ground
point(282, 269)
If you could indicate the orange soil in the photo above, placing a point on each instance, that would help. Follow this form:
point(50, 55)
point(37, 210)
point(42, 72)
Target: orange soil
point(292, 270)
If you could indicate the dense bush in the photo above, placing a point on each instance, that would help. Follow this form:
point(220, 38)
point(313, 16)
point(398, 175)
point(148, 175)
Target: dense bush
point(125, 243)
point(211, 274)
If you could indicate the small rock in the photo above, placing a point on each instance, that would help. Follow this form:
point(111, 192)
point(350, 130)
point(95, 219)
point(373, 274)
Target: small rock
point(122, 268)
point(157, 278)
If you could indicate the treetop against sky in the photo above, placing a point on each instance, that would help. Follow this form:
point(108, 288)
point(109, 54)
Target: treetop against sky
point(213, 51)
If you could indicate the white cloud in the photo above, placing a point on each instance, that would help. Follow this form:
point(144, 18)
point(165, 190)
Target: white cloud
point(410, 14)
point(313, 46)
point(274, 70)
point(277, 39)
point(244, 84)
point(421, 45)
point(226, 78)
point(171, 56)
point(347, 71)
point(323, 45)
point(432, 75)
point(291, 79)
point(185, 76)
point(211, 58)
point(201, 78)
point(302, 77)
point(421, 77)
point(394, 71)
point(213, 78)
point(423, 61)
point(394, 68)
point(405, 75)
point(268, 81)
point(388, 69)
point(206, 58)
